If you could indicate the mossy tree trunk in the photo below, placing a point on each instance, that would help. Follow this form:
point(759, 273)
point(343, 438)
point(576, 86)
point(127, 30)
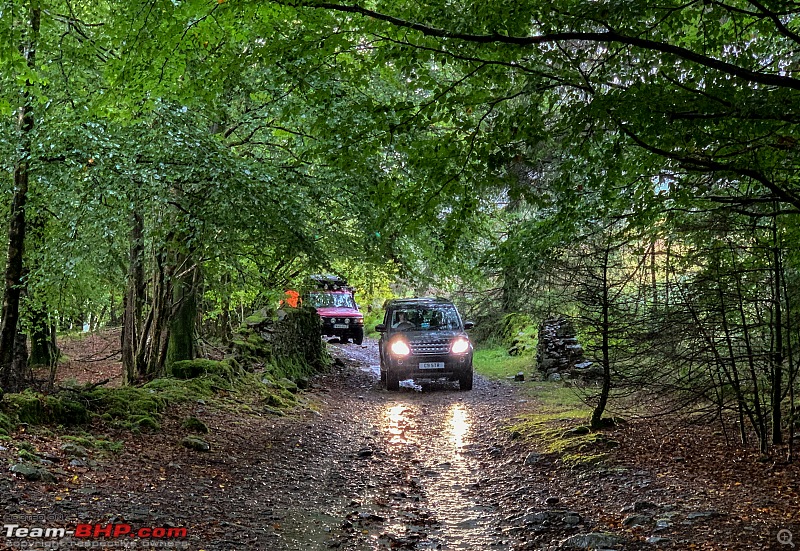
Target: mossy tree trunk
point(182, 344)
point(10, 377)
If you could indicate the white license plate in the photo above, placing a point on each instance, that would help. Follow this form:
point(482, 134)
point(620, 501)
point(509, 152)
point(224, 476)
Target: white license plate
point(431, 365)
point(340, 326)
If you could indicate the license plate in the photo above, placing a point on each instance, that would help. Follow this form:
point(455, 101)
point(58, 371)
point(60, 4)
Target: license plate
point(431, 365)
point(340, 326)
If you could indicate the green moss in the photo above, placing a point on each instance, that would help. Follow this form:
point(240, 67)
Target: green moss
point(195, 425)
point(38, 409)
point(25, 455)
point(190, 369)
point(6, 425)
point(27, 407)
point(146, 422)
point(95, 443)
point(518, 330)
point(259, 317)
point(273, 400)
point(562, 433)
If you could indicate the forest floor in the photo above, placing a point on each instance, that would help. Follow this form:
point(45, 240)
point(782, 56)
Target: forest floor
point(361, 468)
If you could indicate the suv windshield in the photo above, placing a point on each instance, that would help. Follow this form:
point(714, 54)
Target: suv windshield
point(425, 318)
point(332, 300)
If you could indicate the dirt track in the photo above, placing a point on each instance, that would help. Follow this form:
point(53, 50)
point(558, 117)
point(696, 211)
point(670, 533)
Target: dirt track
point(365, 469)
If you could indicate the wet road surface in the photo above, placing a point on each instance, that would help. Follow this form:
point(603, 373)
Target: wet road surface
point(416, 467)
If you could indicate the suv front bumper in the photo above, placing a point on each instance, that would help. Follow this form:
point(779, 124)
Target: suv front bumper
point(421, 366)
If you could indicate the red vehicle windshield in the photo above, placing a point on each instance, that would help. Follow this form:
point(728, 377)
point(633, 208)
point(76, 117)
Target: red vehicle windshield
point(332, 300)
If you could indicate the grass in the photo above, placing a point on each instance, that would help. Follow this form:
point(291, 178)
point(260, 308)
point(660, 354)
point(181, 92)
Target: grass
point(495, 363)
point(555, 411)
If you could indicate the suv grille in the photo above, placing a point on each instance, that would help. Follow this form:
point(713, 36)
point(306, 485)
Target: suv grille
point(430, 346)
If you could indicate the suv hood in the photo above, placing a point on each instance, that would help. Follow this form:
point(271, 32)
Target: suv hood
point(334, 312)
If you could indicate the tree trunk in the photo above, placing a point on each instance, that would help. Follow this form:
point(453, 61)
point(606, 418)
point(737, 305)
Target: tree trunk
point(10, 377)
point(597, 413)
point(43, 343)
point(133, 303)
point(182, 341)
point(777, 327)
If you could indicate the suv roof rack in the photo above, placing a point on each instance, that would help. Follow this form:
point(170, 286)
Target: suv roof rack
point(329, 282)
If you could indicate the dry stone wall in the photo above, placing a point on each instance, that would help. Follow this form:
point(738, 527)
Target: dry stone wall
point(559, 355)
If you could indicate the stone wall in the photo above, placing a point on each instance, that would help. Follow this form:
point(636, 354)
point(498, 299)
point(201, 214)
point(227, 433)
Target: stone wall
point(559, 355)
point(286, 337)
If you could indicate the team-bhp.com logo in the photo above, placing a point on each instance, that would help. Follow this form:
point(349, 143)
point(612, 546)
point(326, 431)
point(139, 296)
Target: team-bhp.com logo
point(90, 531)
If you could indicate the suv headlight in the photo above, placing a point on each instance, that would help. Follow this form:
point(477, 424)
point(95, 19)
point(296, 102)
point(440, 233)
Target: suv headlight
point(459, 346)
point(400, 348)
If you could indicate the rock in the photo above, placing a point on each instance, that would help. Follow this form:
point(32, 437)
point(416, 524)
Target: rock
point(653, 540)
point(288, 385)
point(73, 449)
point(702, 514)
point(663, 524)
point(33, 473)
point(593, 540)
point(535, 518)
point(194, 424)
point(533, 458)
point(554, 377)
point(519, 377)
point(196, 443)
point(365, 453)
point(571, 519)
point(577, 431)
point(636, 520)
point(640, 506)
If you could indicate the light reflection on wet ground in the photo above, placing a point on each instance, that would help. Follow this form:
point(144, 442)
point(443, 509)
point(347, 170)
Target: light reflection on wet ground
point(459, 425)
point(434, 440)
point(429, 433)
point(398, 423)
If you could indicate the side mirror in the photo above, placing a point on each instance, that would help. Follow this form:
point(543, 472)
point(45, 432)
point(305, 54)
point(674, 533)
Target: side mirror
point(469, 325)
point(380, 328)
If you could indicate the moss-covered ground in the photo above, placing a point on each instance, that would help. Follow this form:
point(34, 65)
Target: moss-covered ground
point(558, 424)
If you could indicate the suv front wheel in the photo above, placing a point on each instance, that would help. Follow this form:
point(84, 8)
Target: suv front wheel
point(358, 335)
point(392, 380)
point(465, 380)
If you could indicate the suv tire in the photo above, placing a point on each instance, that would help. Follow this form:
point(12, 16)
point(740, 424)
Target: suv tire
point(465, 380)
point(392, 380)
point(358, 335)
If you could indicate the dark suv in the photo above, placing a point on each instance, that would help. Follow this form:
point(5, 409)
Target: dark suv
point(424, 338)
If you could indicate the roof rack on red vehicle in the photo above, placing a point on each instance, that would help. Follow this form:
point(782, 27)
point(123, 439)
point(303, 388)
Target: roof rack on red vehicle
point(330, 282)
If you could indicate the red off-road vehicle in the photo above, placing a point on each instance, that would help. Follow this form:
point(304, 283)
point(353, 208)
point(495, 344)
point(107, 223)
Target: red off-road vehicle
point(336, 306)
